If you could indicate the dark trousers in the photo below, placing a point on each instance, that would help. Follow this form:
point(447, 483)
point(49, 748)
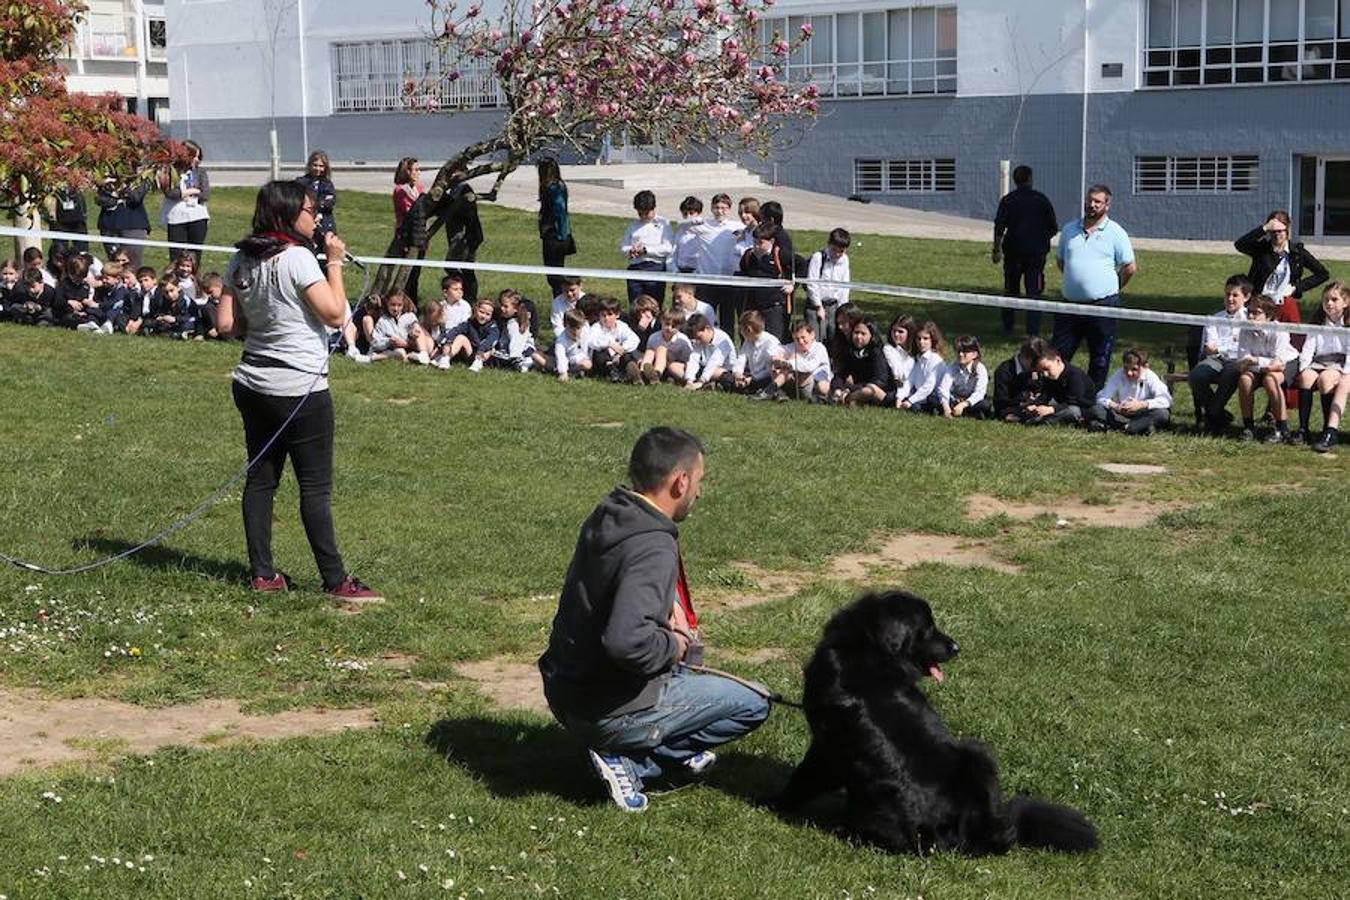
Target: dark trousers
point(728, 301)
point(308, 441)
point(1098, 332)
point(1146, 422)
point(62, 244)
point(1065, 415)
point(135, 252)
point(653, 289)
point(555, 255)
point(775, 320)
point(1021, 270)
point(189, 233)
point(1212, 382)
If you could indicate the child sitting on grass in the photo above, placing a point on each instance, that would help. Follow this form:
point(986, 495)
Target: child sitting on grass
point(899, 352)
point(862, 377)
point(571, 295)
point(1015, 382)
point(474, 340)
point(572, 350)
point(208, 305)
point(964, 383)
point(711, 352)
point(667, 351)
point(803, 371)
point(393, 334)
point(922, 395)
point(515, 341)
point(170, 311)
point(1268, 359)
point(456, 310)
point(753, 370)
point(1066, 393)
point(1134, 399)
point(684, 298)
point(614, 345)
point(644, 318)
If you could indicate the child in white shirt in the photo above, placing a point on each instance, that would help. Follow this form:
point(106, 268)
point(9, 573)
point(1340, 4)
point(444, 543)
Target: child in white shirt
point(805, 363)
point(1324, 365)
point(515, 342)
point(572, 351)
point(647, 245)
point(614, 345)
point(827, 264)
point(684, 298)
point(964, 383)
point(753, 370)
point(1266, 359)
point(1219, 353)
point(710, 355)
point(392, 337)
point(456, 309)
point(923, 378)
point(571, 295)
point(667, 351)
point(690, 236)
point(1134, 400)
point(899, 353)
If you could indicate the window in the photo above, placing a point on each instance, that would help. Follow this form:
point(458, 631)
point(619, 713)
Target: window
point(1207, 42)
point(156, 40)
point(110, 36)
point(1196, 174)
point(904, 176)
point(898, 52)
point(370, 77)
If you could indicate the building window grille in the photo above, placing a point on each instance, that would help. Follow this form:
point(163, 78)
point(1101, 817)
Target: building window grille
point(882, 53)
point(1196, 174)
point(370, 76)
point(1194, 43)
point(904, 176)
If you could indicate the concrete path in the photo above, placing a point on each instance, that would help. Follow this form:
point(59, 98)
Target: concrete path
point(804, 209)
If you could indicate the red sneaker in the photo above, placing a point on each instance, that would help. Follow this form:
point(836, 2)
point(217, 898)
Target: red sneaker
point(354, 589)
point(271, 585)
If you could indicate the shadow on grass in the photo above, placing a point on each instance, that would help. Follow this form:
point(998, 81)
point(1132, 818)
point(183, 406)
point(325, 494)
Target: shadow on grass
point(518, 759)
point(167, 559)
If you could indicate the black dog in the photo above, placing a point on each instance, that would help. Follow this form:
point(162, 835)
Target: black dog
point(911, 786)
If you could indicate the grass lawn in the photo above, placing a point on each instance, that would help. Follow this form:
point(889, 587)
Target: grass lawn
point(1176, 681)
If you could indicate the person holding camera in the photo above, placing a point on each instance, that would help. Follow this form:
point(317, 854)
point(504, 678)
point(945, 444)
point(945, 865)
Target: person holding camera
point(284, 306)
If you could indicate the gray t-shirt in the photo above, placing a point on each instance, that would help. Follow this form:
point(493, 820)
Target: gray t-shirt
point(280, 325)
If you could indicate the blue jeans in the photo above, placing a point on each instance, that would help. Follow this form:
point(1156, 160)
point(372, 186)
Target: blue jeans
point(1100, 334)
point(693, 713)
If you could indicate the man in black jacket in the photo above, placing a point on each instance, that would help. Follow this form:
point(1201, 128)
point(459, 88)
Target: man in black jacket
point(1023, 226)
point(1066, 391)
point(615, 671)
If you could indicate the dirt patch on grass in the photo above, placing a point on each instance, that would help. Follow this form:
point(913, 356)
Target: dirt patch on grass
point(1126, 512)
point(903, 551)
point(508, 682)
point(604, 424)
point(765, 587)
point(400, 401)
point(42, 732)
point(356, 607)
point(398, 662)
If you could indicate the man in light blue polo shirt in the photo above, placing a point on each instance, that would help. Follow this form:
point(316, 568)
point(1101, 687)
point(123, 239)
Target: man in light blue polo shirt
point(1097, 260)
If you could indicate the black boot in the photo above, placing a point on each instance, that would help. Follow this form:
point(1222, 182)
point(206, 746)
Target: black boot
point(1326, 441)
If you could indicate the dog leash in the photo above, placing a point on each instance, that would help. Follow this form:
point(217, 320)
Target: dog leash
point(755, 686)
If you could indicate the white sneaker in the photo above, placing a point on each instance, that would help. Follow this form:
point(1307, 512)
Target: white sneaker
point(359, 357)
point(476, 365)
point(353, 353)
point(87, 326)
point(420, 357)
point(107, 328)
point(441, 362)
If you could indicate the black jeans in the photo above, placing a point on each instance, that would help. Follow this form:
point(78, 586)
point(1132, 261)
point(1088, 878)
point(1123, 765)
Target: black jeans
point(189, 233)
point(555, 256)
point(308, 441)
point(1021, 270)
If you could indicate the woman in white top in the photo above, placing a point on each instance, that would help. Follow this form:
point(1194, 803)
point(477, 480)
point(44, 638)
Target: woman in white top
point(187, 188)
point(284, 307)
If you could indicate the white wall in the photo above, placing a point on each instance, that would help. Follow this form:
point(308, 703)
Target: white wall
point(218, 49)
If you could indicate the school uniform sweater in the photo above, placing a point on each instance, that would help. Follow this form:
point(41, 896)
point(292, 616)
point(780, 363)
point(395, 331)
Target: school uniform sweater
point(1012, 386)
point(957, 383)
point(387, 329)
point(866, 366)
point(482, 337)
point(1073, 387)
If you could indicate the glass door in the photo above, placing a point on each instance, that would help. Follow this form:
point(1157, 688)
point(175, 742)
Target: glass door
point(1333, 194)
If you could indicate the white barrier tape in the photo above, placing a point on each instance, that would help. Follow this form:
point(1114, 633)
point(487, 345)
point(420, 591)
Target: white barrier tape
point(885, 290)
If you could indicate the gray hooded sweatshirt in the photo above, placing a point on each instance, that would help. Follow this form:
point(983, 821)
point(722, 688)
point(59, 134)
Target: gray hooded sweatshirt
point(612, 647)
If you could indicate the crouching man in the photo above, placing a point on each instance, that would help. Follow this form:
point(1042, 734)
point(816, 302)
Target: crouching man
point(615, 672)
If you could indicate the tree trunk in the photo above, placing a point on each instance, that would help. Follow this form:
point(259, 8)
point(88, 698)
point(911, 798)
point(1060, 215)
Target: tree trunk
point(28, 217)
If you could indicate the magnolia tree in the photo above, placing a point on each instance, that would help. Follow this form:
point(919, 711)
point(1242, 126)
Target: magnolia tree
point(701, 73)
point(50, 138)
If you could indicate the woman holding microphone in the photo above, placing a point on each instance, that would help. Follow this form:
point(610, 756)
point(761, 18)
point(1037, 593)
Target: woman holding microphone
point(284, 307)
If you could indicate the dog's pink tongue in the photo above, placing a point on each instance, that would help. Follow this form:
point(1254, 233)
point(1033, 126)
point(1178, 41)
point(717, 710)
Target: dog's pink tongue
point(936, 672)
